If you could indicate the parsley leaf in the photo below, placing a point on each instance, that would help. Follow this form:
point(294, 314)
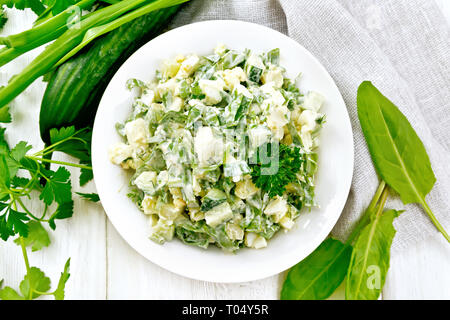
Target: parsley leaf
point(64, 211)
point(5, 232)
point(3, 144)
point(3, 18)
point(20, 150)
point(12, 222)
point(16, 222)
point(65, 275)
point(274, 166)
point(4, 177)
point(71, 142)
point(37, 236)
point(5, 116)
point(8, 293)
point(89, 196)
point(58, 187)
point(36, 280)
point(34, 5)
point(86, 176)
point(59, 5)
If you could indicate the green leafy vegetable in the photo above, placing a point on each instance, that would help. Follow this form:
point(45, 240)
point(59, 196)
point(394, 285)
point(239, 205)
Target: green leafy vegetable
point(27, 225)
point(68, 41)
point(35, 283)
point(397, 152)
point(93, 197)
point(255, 73)
point(318, 276)
point(3, 18)
point(37, 236)
point(35, 5)
point(275, 166)
point(9, 293)
point(57, 186)
point(65, 275)
point(34, 280)
point(12, 222)
point(370, 258)
point(5, 116)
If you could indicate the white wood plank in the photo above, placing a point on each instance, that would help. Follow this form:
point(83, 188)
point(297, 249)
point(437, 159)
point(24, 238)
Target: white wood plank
point(82, 237)
point(420, 272)
point(131, 276)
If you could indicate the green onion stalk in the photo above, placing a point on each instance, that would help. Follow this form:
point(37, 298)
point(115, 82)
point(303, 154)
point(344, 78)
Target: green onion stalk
point(72, 40)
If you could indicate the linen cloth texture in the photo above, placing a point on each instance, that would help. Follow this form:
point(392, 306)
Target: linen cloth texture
point(403, 47)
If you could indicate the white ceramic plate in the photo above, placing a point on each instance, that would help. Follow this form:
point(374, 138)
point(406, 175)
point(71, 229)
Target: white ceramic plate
point(335, 156)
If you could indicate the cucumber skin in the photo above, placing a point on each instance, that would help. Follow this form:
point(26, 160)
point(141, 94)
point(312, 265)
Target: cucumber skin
point(76, 87)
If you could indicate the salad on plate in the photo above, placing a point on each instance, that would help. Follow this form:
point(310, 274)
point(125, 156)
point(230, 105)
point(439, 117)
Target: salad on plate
point(222, 148)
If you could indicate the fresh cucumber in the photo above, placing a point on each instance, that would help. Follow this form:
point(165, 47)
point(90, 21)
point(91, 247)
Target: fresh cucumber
point(76, 87)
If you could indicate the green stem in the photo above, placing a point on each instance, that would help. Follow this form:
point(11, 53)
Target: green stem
point(44, 213)
point(43, 293)
point(383, 199)
point(25, 255)
point(60, 162)
point(435, 221)
point(378, 193)
point(368, 213)
point(103, 29)
point(27, 264)
point(49, 148)
point(26, 209)
point(61, 46)
point(43, 30)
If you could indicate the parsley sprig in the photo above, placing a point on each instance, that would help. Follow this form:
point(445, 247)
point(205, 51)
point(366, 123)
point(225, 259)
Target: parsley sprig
point(274, 166)
point(24, 175)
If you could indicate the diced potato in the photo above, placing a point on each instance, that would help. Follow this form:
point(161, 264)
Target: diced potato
point(207, 147)
point(218, 214)
point(307, 120)
point(146, 181)
point(277, 119)
point(234, 231)
point(137, 132)
point(240, 89)
point(212, 90)
point(277, 208)
point(120, 152)
point(195, 214)
point(259, 135)
point(188, 66)
point(273, 75)
point(252, 240)
point(162, 231)
point(245, 189)
point(170, 68)
point(149, 205)
point(148, 97)
point(233, 77)
point(313, 101)
point(287, 223)
point(170, 211)
point(307, 140)
point(176, 104)
point(255, 60)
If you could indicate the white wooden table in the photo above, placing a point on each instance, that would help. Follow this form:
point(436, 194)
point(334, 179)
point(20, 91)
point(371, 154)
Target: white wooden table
point(103, 266)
